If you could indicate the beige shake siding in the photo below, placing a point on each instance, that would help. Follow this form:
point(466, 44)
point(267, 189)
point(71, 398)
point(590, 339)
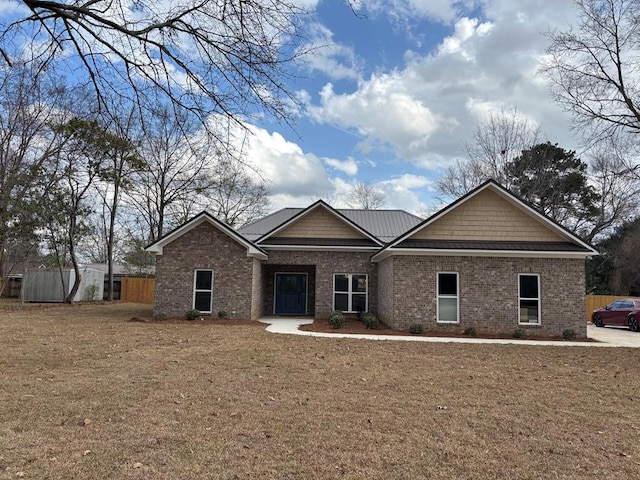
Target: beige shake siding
point(487, 216)
point(319, 223)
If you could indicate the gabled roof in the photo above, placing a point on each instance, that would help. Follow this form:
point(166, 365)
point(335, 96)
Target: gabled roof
point(571, 246)
point(385, 225)
point(205, 217)
point(320, 204)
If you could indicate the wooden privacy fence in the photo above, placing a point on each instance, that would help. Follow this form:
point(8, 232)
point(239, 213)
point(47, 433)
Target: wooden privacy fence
point(596, 301)
point(138, 290)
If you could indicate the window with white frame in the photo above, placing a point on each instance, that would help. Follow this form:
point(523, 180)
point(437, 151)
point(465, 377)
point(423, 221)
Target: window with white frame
point(448, 299)
point(203, 290)
point(529, 298)
point(350, 292)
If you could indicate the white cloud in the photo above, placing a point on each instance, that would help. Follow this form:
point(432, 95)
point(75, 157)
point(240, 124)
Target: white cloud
point(285, 166)
point(337, 61)
point(348, 166)
point(425, 111)
point(381, 110)
point(401, 192)
point(402, 11)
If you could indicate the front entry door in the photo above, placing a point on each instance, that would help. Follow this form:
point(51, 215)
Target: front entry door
point(291, 294)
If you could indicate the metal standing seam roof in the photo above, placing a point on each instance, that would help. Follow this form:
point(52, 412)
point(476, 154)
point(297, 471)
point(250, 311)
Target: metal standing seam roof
point(385, 225)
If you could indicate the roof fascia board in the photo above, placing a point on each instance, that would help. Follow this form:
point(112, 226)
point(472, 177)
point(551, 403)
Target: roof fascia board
point(309, 209)
point(202, 217)
point(320, 248)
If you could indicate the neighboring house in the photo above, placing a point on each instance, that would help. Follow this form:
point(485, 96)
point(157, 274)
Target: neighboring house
point(488, 261)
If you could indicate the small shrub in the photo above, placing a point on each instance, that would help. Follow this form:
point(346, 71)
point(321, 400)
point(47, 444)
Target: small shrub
point(519, 333)
point(223, 314)
point(471, 331)
point(365, 315)
point(193, 314)
point(336, 319)
point(371, 321)
point(416, 329)
point(91, 292)
point(568, 334)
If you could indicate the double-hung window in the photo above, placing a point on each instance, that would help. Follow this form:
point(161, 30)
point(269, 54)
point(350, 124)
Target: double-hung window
point(350, 292)
point(203, 290)
point(448, 306)
point(529, 299)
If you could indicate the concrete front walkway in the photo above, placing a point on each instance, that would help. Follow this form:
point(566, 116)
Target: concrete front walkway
point(288, 325)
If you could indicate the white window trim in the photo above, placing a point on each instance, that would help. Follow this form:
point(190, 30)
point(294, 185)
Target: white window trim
point(350, 291)
point(438, 297)
point(539, 299)
point(195, 276)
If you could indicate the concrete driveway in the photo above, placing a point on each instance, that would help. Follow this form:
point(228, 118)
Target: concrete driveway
point(618, 336)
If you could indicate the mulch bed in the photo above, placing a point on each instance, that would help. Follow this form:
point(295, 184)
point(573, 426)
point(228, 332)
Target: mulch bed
point(201, 321)
point(358, 327)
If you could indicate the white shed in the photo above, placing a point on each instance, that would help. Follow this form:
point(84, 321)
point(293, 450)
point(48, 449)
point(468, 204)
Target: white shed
point(46, 285)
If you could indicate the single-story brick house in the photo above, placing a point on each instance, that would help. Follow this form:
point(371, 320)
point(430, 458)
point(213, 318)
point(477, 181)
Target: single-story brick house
point(489, 260)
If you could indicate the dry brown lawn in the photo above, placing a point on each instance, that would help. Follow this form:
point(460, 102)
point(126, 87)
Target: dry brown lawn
point(86, 394)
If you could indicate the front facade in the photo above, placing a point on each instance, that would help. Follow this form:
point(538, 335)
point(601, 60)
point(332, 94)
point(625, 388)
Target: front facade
point(487, 261)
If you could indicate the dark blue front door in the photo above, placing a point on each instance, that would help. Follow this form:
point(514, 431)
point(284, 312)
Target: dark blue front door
point(291, 294)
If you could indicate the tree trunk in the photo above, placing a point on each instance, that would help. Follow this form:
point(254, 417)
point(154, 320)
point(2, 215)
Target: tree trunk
point(74, 261)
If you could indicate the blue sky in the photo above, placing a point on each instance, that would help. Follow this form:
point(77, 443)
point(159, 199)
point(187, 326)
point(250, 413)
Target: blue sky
point(393, 95)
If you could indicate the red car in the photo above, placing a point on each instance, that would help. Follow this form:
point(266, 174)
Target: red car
point(623, 313)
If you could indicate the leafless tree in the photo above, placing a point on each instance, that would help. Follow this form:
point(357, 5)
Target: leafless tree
point(27, 144)
point(121, 162)
point(236, 197)
point(495, 142)
point(366, 196)
point(206, 56)
point(616, 187)
point(178, 170)
point(593, 67)
point(625, 275)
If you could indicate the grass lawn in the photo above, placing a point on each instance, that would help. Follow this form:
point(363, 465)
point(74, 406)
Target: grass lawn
point(85, 394)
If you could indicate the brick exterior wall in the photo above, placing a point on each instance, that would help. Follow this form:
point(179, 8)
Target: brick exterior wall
point(257, 289)
point(206, 247)
point(385, 290)
point(488, 293)
point(326, 264)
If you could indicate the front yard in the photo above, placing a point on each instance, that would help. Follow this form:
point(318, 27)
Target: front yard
point(84, 393)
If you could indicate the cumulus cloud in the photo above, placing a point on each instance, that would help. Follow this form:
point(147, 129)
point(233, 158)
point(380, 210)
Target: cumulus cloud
point(336, 60)
point(348, 166)
point(426, 110)
point(288, 169)
point(402, 11)
point(402, 192)
point(381, 110)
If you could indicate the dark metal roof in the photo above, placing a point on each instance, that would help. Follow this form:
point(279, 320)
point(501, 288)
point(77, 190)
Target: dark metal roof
point(492, 245)
point(337, 242)
point(385, 225)
point(256, 229)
